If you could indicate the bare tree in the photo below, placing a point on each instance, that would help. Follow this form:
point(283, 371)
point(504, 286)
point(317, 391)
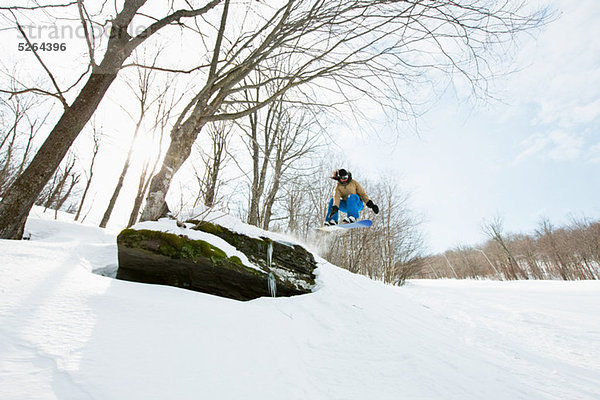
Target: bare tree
point(22, 118)
point(399, 244)
point(276, 139)
point(165, 106)
point(350, 48)
point(527, 253)
point(295, 140)
point(96, 137)
point(352, 251)
point(60, 188)
point(260, 153)
point(585, 239)
point(295, 203)
point(495, 231)
point(306, 198)
point(553, 251)
point(568, 252)
point(145, 100)
point(214, 162)
point(100, 76)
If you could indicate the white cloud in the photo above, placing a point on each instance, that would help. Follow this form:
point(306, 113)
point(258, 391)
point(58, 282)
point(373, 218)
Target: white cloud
point(560, 73)
point(555, 145)
point(587, 113)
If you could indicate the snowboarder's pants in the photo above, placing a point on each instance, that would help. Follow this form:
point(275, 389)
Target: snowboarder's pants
point(351, 206)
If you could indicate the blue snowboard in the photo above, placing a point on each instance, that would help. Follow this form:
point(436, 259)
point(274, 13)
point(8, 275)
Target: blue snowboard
point(364, 223)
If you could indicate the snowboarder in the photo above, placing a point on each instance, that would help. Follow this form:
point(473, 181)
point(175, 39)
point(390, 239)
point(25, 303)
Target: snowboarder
point(349, 197)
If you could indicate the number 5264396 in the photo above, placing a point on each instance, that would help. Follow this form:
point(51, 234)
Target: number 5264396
point(44, 46)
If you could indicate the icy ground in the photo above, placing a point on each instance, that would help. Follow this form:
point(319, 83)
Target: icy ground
point(67, 333)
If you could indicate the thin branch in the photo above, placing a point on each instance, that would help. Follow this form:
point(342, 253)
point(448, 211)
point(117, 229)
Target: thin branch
point(163, 69)
point(30, 90)
point(86, 32)
point(175, 17)
point(59, 92)
point(221, 32)
point(38, 7)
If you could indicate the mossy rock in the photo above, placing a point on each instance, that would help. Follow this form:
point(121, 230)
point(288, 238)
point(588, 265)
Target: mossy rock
point(151, 256)
point(174, 246)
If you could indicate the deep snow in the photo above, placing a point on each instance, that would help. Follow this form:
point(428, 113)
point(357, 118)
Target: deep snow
point(67, 333)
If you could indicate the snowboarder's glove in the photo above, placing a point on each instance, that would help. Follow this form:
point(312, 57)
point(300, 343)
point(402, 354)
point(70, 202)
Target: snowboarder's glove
point(334, 209)
point(373, 207)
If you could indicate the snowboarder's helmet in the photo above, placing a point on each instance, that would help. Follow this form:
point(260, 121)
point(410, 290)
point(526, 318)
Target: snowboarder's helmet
point(343, 174)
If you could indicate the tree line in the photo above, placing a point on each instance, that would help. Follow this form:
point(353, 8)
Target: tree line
point(570, 252)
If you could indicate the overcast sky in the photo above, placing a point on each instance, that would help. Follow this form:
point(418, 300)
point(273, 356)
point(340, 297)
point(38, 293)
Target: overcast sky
point(535, 154)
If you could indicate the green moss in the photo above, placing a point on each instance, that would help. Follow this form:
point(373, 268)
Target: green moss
point(210, 228)
point(236, 260)
point(173, 246)
point(256, 249)
point(252, 247)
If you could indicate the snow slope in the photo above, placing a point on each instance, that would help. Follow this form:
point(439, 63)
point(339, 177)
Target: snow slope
point(66, 333)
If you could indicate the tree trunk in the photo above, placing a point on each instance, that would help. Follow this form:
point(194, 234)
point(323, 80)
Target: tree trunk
point(179, 150)
point(260, 170)
point(117, 191)
point(254, 190)
point(89, 181)
point(115, 195)
point(268, 210)
point(144, 182)
point(272, 195)
point(17, 203)
point(139, 198)
point(63, 199)
point(213, 178)
point(85, 192)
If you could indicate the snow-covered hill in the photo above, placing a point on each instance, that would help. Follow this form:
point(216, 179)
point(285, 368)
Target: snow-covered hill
point(67, 333)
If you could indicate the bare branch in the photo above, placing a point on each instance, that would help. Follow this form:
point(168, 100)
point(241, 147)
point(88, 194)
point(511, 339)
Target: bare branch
point(86, 32)
point(30, 90)
point(38, 7)
point(175, 17)
point(163, 69)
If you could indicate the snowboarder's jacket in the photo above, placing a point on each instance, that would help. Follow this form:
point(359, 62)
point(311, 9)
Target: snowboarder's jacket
point(343, 190)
